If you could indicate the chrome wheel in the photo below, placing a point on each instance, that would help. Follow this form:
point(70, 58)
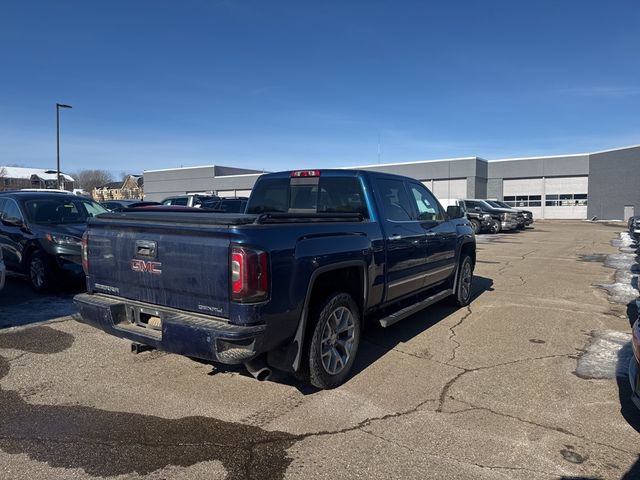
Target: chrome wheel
point(36, 272)
point(465, 281)
point(338, 335)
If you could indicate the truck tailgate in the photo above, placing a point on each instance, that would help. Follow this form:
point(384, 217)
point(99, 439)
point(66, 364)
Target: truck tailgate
point(168, 264)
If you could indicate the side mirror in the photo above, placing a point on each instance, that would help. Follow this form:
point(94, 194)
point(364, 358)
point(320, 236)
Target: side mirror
point(455, 211)
point(12, 222)
point(477, 209)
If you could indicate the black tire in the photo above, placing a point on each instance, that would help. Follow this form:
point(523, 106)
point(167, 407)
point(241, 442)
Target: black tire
point(462, 295)
point(495, 226)
point(475, 226)
point(40, 272)
point(324, 344)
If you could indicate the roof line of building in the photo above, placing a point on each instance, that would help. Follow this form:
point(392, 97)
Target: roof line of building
point(181, 168)
point(538, 157)
point(566, 155)
point(416, 162)
point(409, 163)
point(615, 149)
point(241, 175)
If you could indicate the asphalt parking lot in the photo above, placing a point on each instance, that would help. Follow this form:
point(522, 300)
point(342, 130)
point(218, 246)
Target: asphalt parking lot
point(528, 382)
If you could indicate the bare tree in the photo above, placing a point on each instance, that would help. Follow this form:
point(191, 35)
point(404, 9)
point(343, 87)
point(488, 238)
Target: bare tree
point(90, 179)
point(3, 173)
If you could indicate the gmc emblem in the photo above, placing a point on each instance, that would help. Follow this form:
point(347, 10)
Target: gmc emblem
point(146, 266)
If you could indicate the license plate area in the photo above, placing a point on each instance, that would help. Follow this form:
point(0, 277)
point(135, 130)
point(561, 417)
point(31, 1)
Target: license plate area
point(148, 319)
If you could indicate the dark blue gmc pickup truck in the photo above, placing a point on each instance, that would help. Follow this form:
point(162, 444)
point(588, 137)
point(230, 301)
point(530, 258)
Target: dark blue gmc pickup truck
point(287, 285)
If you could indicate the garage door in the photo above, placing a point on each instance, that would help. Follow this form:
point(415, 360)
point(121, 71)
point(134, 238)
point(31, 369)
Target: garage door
point(525, 193)
point(566, 197)
point(454, 188)
point(554, 197)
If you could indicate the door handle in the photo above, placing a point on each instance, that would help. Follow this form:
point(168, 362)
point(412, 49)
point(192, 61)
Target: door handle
point(395, 236)
point(431, 235)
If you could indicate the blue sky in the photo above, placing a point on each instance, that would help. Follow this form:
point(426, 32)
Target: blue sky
point(292, 84)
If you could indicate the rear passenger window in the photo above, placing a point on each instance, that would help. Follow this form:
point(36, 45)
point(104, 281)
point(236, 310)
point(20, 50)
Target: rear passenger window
point(395, 201)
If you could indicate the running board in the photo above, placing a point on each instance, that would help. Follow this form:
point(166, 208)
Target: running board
point(411, 309)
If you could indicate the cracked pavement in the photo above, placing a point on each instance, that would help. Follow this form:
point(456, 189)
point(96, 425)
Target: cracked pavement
point(486, 392)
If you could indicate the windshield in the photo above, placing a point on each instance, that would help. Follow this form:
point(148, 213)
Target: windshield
point(495, 204)
point(53, 211)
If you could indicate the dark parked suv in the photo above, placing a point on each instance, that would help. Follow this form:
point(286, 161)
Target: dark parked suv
point(41, 232)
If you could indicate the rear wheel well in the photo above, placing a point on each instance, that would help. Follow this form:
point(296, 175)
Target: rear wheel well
point(346, 279)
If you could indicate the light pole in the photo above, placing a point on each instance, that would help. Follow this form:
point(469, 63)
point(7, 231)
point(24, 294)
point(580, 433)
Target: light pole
point(58, 107)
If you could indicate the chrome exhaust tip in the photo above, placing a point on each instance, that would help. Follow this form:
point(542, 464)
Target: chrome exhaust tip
point(258, 369)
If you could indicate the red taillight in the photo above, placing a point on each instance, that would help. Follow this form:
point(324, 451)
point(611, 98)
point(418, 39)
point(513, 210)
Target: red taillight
point(305, 173)
point(85, 253)
point(249, 275)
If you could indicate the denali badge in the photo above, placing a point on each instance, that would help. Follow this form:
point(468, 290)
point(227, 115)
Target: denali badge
point(146, 266)
point(106, 288)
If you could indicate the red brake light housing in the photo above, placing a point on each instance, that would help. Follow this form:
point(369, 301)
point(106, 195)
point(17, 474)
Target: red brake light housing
point(85, 253)
point(305, 173)
point(249, 275)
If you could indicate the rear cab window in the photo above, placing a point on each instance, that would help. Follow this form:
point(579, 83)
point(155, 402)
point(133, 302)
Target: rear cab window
point(321, 194)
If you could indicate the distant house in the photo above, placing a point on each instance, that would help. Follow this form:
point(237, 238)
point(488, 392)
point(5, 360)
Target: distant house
point(16, 178)
point(129, 188)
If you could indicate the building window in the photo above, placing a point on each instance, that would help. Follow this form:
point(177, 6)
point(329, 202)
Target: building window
point(524, 201)
point(566, 200)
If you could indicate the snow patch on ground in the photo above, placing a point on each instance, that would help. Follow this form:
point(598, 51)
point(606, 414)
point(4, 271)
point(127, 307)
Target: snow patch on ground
point(619, 293)
point(607, 355)
point(625, 240)
point(625, 287)
point(620, 260)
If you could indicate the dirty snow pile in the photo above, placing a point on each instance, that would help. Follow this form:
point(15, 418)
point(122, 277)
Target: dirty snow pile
point(607, 355)
point(625, 287)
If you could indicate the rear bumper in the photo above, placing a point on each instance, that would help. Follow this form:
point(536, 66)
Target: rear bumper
point(179, 332)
